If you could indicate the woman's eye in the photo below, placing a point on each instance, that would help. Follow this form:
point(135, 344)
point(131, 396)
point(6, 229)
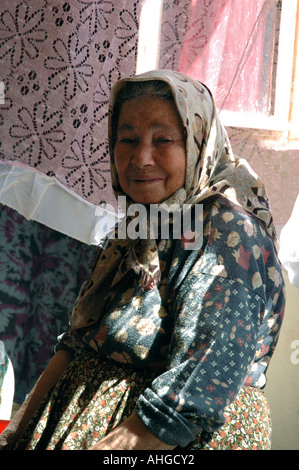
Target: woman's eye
point(127, 140)
point(164, 140)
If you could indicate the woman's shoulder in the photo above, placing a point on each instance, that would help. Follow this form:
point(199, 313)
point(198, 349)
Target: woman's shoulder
point(232, 225)
point(235, 245)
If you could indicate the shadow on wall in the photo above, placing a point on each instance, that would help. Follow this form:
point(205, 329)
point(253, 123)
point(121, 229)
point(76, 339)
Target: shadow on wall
point(282, 390)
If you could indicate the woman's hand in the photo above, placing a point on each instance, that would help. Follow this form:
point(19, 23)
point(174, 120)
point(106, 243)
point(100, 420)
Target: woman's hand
point(132, 434)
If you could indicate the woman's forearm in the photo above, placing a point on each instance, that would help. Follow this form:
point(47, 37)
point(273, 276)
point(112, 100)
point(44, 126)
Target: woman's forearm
point(52, 373)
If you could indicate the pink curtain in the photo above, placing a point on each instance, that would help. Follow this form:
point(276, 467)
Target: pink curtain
point(230, 47)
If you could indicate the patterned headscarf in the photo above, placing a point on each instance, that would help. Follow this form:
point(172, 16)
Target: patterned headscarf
point(211, 170)
point(211, 166)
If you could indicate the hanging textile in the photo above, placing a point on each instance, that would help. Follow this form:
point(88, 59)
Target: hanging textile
point(58, 61)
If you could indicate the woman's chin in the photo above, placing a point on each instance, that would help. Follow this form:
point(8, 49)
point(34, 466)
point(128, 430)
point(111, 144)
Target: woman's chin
point(146, 198)
point(147, 201)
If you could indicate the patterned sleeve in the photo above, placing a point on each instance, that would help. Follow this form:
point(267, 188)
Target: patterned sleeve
point(228, 313)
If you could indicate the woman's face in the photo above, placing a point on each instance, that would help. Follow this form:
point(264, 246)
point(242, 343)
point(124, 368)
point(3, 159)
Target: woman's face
point(150, 155)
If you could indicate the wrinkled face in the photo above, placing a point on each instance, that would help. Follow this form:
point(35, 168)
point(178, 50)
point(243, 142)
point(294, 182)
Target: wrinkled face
point(150, 155)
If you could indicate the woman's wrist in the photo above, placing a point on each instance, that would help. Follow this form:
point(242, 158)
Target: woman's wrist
point(132, 434)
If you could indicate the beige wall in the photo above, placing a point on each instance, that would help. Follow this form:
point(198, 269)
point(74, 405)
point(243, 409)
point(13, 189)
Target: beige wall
point(282, 390)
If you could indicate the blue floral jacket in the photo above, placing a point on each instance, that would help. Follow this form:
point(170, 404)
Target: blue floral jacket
point(208, 329)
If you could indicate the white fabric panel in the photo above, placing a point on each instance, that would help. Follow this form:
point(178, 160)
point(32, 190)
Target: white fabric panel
point(43, 199)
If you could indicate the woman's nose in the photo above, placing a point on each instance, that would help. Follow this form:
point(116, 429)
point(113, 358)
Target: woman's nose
point(143, 155)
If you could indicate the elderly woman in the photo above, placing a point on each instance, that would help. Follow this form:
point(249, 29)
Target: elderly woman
point(168, 346)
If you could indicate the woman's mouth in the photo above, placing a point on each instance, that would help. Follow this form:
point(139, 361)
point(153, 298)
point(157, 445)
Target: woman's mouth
point(146, 180)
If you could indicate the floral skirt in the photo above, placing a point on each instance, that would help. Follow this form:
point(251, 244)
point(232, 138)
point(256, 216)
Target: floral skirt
point(94, 395)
